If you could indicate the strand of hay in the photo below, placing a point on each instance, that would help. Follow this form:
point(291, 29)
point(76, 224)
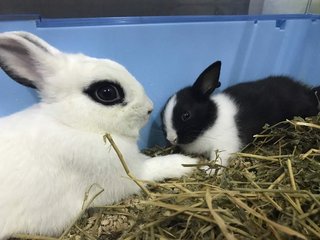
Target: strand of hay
point(271, 190)
point(124, 164)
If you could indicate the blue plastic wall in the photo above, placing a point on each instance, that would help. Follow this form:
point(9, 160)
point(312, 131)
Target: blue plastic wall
point(168, 53)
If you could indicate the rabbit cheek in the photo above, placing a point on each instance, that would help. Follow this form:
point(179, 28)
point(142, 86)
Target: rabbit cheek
point(141, 118)
point(167, 120)
point(133, 121)
point(141, 111)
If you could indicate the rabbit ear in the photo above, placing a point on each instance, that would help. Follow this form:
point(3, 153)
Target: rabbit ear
point(208, 80)
point(24, 57)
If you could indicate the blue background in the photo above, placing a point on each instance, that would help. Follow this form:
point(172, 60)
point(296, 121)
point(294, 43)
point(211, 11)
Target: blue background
point(168, 53)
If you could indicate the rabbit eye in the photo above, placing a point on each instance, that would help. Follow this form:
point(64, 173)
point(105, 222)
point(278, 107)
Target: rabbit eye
point(186, 116)
point(106, 92)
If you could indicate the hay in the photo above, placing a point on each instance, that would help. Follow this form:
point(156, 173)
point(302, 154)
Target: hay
point(271, 190)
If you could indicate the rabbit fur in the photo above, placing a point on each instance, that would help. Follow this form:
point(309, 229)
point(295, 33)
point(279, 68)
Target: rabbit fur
point(53, 152)
point(221, 124)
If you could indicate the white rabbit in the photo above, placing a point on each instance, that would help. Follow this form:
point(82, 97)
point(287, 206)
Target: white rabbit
point(52, 152)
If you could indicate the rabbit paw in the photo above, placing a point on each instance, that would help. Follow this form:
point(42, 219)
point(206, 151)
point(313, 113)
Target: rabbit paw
point(170, 166)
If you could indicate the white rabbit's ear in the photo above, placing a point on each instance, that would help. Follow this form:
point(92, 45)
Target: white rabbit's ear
point(25, 57)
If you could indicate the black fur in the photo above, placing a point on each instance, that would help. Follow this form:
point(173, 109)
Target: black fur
point(269, 100)
point(316, 91)
point(208, 80)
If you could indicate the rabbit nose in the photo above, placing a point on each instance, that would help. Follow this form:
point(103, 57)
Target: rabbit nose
point(172, 137)
point(173, 141)
point(149, 106)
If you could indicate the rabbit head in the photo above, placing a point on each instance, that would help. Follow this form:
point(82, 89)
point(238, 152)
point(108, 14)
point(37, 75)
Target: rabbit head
point(190, 111)
point(96, 95)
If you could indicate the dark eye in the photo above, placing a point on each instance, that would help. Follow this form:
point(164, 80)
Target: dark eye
point(105, 92)
point(185, 116)
point(108, 93)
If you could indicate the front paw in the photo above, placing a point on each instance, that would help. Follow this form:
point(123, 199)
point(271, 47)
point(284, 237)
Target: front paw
point(170, 166)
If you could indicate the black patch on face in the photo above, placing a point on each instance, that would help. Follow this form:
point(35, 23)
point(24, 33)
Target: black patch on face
point(106, 92)
point(192, 114)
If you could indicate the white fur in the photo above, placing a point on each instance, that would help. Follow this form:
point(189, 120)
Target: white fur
point(222, 135)
point(52, 152)
point(168, 113)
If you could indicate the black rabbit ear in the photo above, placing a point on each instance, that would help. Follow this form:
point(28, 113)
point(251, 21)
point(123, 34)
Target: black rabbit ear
point(208, 80)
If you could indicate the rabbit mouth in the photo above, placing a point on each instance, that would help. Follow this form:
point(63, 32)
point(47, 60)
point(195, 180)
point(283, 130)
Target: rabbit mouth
point(173, 141)
point(172, 137)
point(145, 118)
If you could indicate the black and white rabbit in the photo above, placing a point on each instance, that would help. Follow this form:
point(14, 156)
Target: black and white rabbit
point(202, 123)
point(53, 152)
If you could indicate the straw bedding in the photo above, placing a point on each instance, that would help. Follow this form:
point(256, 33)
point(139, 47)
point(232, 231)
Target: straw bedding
point(271, 190)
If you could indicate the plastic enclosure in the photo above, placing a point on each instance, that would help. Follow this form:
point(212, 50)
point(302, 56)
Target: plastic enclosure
point(168, 53)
